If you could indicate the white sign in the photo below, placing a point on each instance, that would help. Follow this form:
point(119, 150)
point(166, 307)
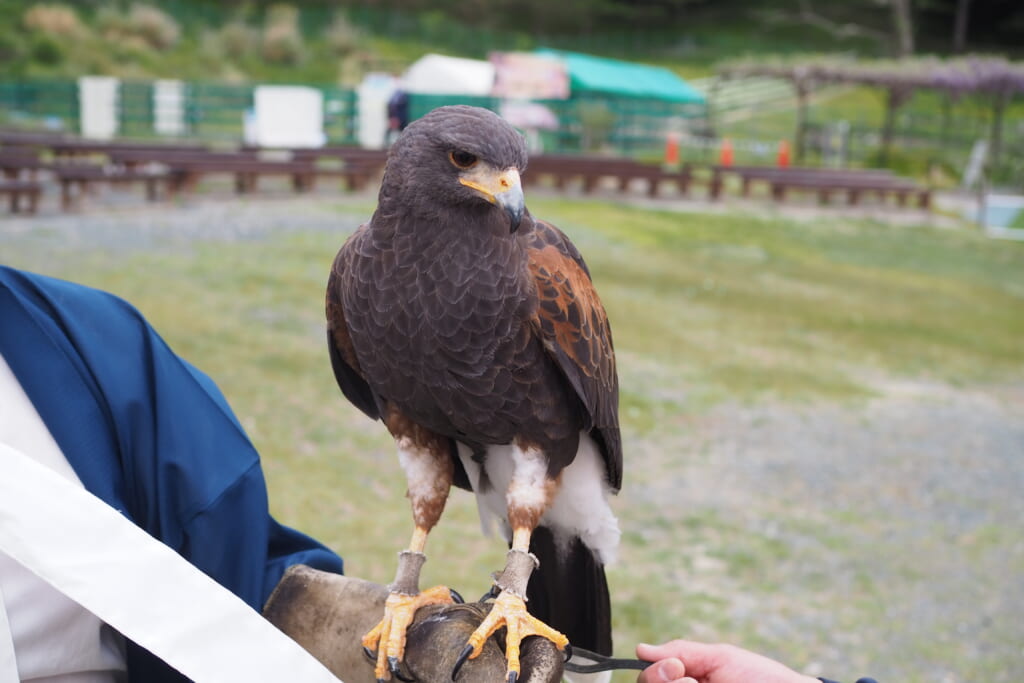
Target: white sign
point(98, 106)
point(169, 107)
point(288, 116)
point(521, 75)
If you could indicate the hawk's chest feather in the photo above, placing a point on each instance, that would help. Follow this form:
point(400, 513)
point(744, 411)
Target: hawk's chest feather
point(463, 302)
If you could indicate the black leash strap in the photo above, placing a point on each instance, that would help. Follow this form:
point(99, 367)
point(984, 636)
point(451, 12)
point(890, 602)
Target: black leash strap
point(602, 663)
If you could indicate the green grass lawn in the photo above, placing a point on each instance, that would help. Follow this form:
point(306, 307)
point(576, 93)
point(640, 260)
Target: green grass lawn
point(705, 309)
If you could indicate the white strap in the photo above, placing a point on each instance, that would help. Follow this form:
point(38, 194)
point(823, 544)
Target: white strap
point(88, 551)
point(8, 663)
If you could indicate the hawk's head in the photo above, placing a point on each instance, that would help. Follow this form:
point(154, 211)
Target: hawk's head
point(458, 158)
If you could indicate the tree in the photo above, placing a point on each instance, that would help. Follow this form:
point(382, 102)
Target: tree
point(963, 10)
point(903, 28)
point(852, 20)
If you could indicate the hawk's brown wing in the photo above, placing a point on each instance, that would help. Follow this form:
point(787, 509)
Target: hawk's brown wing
point(339, 343)
point(575, 331)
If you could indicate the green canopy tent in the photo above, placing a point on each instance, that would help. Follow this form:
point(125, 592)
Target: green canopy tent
point(590, 75)
point(624, 105)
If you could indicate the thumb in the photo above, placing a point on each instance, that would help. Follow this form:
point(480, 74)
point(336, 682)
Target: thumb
point(669, 670)
point(654, 653)
point(699, 657)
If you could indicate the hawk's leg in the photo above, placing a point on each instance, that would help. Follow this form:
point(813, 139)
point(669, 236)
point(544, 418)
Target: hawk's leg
point(527, 498)
point(429, 471)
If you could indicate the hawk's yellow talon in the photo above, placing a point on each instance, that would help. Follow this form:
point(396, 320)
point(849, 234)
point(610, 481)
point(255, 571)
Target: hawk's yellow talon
point(510, 611)
point(388, 636)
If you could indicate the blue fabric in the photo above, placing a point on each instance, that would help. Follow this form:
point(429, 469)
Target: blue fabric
point(149, 434)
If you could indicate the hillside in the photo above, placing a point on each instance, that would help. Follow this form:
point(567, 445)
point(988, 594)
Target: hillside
point(316, 42)
point(238, 43)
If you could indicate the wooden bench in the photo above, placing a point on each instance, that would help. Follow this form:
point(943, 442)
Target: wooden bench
point(17, 190)
point(136, 157)
point(247, 166)
point(854, 188)
point(358, 166)
point(592, 170)
point(823, 181)
point(347, 153)
point(20, 163)
point(79, 179)
point(563, 169)
point(30, 139)
point(185, 173)
point(771, 175)
point(748, 174)
point(75, 148)
point(656, 176)
point(357, 174)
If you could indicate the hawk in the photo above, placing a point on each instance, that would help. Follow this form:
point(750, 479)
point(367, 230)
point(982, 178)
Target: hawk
point(474, 332)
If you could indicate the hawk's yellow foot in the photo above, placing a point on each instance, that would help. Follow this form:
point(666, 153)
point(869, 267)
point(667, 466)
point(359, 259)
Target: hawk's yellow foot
point(387, 638)
point(509, 611)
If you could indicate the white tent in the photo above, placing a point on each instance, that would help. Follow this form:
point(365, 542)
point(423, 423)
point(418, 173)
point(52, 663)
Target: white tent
point(441, 75)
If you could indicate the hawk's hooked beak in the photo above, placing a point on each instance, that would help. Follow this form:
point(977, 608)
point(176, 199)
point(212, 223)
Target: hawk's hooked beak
point(500, 187)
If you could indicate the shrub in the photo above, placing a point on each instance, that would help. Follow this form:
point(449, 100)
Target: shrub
point(341, 36)
point(238, 39)
point(154, 26)
point(282, 15)
point(597, 121)
point(111, 23)
point(46, 49)
point(10, 48)
point(281, 45)
point(923, 162)
point(282, 41)
point(54, 20)
point(143, 26)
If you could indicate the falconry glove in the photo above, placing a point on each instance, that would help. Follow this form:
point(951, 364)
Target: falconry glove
point(327, 614)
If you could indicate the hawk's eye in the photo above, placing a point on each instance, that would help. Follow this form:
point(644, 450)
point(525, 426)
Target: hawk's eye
point(462, 159)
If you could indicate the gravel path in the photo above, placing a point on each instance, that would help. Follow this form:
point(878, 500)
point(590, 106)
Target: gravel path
point(894, 526)
point(140, 227)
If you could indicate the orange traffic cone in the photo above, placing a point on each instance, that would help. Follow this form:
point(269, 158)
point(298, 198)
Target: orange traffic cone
point(672, 149)
point(783, 157)
point(725, 154)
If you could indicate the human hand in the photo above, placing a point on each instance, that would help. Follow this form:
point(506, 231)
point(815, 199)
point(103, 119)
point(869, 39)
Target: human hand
point(683, 661)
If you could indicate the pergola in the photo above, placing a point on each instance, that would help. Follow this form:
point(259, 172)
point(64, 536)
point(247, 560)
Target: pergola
point(993, 77)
